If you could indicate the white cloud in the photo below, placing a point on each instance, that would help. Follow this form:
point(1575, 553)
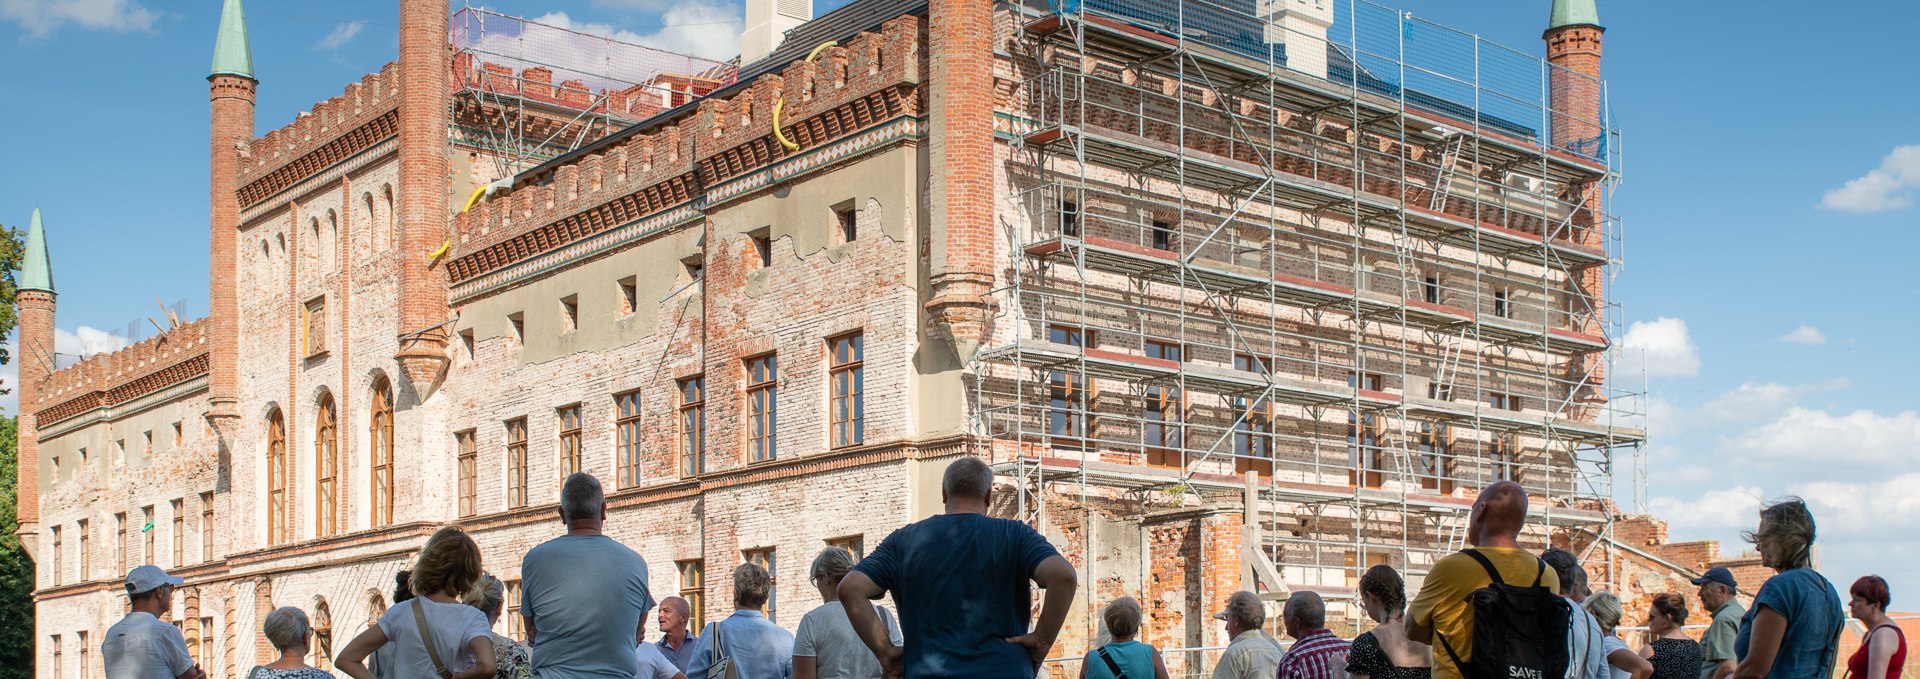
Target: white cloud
point(39, 18)
point(633, 5)
point(342, 33)
point(1662, 347)
point(1805, 334)
point(82, 341)
point(1884, 507)
point(1860, 439)
point(1715, 512)
point(1887, 187)
point(694, 27)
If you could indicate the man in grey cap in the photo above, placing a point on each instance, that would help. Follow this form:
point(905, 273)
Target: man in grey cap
point(1251, 654)
point(142, 647)
point(1717, 588)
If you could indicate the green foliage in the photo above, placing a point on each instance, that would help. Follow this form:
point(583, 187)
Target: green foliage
point(12, 246)
point(16, 570)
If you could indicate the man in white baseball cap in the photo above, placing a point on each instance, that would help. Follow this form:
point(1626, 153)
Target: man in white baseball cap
point(142, 647)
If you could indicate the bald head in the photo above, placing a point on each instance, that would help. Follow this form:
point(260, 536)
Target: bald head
point(1498, 515)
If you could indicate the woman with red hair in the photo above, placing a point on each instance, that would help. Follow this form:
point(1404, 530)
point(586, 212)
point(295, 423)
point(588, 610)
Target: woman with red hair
point(1884, 649)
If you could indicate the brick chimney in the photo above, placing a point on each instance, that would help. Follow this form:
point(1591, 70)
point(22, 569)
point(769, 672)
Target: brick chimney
point(767, 24)
point(231, 88)
point(1575, 126)
point(33, 305)
point(426, 178)
point(960, 49)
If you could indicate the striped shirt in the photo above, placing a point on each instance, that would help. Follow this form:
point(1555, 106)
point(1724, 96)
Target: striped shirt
point(1315, 655)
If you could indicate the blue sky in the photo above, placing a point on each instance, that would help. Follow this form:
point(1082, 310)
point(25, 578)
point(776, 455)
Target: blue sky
point(1771, 162)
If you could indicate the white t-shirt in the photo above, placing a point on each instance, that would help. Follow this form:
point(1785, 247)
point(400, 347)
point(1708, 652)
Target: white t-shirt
point(827, 636)
point(453, 627)
point(1611, 643)
point(653, 663)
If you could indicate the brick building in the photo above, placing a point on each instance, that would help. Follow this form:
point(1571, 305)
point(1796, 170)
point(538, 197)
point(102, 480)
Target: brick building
point(1232, 297)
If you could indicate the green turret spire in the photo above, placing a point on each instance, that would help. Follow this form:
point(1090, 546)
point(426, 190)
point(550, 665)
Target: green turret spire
point(35, 271)
point(231, 55)
point(1565, 13)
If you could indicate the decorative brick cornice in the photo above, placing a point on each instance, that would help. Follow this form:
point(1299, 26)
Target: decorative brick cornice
point(122, 376)
point(342, 147)
point(618, 211)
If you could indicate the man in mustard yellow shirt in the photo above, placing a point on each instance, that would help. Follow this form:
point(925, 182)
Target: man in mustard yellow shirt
point(1441, 610)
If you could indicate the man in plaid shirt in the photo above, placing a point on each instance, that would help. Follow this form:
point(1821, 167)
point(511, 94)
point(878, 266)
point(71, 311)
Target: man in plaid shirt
point(1316, 652)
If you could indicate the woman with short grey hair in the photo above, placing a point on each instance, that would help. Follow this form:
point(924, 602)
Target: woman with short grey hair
point(510, 658)
point(826, 647)
point(1123, 657)
point(287, 628)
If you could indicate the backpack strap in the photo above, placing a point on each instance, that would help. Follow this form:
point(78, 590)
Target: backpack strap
point(1112, 666)
point(1458, 664)
point(1484, 563)
point(426, 638)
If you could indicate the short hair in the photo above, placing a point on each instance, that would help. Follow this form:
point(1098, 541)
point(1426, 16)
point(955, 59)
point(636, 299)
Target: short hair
point(287, 627)
point(1873, 589)
point(678, 605)
point(450, 562)
point(1564, 565)
point(1122, 617)
point(1785, 535)
point(401, 591)
point(487, 595)
point(581, 497)
point(1384, 583)
point(751, 586)
point(1307, 608)
point(1671, 605)
point(1606, 609)
point(133, 596)
point(1244, 607)
point(833, 562)
point(967, 477)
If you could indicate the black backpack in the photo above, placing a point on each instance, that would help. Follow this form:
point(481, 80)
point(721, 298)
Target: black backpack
point(1518, 632)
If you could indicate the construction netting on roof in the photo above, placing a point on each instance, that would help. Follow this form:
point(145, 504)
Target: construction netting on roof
point(601, 70)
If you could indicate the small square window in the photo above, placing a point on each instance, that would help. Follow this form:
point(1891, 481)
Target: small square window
point(569, 313)
point(179, 435)
point(1501, 308)
point(629, 295)
point(466, 342)
point(763, 247)
point(1430, 289)
point(694, 268)
point(517, 323)
point(1069, 218)
point(845, 217)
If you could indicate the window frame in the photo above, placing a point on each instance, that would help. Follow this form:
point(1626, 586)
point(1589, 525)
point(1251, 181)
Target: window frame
point(1253, 435)
point(516, 440)
point(627, 439)
point(693, 588)
point(1071, 395)
point(468, 465)
point(1366, 455)
point(179, 508)
point(206, 527)
point(692, 424)
point(767, 558)
point(326, 460)
point(381, 467)
point(1163, 408)
point(761, 407)
point(846, 390)
point(572, 421)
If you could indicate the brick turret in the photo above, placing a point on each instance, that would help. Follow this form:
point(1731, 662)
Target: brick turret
point(34, 306)
point(1574, 93)
point(425, 179)
point(231, 88)
point(960, 44)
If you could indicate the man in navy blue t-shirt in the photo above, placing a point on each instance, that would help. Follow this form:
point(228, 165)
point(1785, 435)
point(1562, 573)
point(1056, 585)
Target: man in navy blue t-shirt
point(960, 582)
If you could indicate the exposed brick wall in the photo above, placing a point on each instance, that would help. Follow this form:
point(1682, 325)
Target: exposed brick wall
point(960, 47)
point(425, 176)
point(35, 309)
point(231, 129)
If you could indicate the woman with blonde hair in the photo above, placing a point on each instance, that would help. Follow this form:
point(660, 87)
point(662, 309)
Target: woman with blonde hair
point(1622, 662)
point(1793, 628)
point(510, 659)
point(434, 634)
point(1123, 658)
point(825, 645)
point(286, 627)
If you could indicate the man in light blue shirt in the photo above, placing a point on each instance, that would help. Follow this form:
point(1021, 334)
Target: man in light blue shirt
point(584, 596)
point(140, 646)
point(1586, 652)
point(754, 646)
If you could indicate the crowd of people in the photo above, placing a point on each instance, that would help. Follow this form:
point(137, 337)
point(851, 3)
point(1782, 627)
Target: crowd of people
point(963, 581)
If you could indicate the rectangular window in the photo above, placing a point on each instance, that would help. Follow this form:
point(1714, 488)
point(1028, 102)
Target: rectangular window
point(1430, 289)
point(764, 559)
point(313, 335)
point(147, 447)
point(1505, 453)
point(1430, 462)
point(1253, 428)
point(206, 527)
point(179, 536)
point(763, 400)
point(1365, 459)
point(54, 643)
point(147, 531)
point(514, 622)
point(86, 551)
point(626, 424)
point(517, 322)
point(205, 656)
point(569, 440)
point(1068, 392)
point(854, 544)
point(847, 372)
point(569, 313)
point(695, 268)
point(517, 463)
point(469, 473)
point(58, 565)
point(1501, 401)
point(1162, 235)
point(846, 219)
point(179, 436)
point(629, 295)
point(1500, 307)
point(763, 248)
point(1069, 219)
point(1163, 413)
point(86, 656)
point(693, 589)
point(120, 541)
point(693, 426)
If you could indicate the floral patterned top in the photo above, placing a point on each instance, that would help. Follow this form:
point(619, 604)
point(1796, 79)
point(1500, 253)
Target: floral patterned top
point(510, 659)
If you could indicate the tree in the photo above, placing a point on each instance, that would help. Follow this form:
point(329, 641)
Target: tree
point(16, 570)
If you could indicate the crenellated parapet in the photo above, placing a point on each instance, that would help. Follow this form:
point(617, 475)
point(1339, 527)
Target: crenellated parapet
point(332, 131)
point(868, 81)
point(108, 379)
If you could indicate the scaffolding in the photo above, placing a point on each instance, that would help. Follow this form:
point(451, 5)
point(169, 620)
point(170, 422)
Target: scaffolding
point(526, 92)
point(1349, 267)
